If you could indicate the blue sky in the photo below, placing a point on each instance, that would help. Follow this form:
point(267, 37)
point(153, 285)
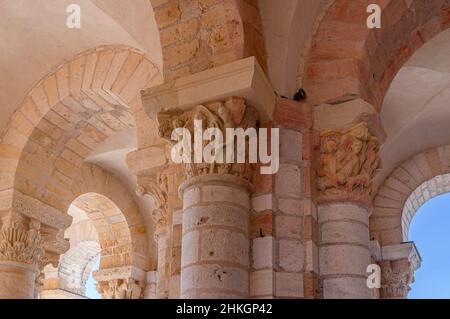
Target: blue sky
point(91, 291)
point(430, 230)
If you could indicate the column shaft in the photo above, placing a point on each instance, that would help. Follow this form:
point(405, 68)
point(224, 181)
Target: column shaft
point(344, 250)
point(215, 245)
point(162, 286)
point(17, 280)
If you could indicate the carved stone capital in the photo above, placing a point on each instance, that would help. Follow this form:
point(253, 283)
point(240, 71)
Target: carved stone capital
point(347, 163)
point(395, 279)
point(121, 283)
point(397, 269)
point(158, 188)
point(231, 113)
point(21, 241)
point(121, 289)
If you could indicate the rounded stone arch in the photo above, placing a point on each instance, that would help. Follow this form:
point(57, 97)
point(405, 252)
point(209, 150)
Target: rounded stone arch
point(415, 181)
point(81, 103)
point(76, 265)
point(198, 35)
point(347, 59)
point(120, 226)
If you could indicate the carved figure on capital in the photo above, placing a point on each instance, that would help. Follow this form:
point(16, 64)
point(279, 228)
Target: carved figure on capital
point(347, 163)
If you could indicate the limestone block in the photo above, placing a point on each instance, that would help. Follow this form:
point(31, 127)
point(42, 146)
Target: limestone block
point(186, 30)
point(291, 255)
point(344, 259)
point(223, 244)
point(146, 160)
point(244, 78)
point(215, 215)
point(215, 277)
point(262, 203)
point(191, 248)
point(217, 193)
point(262, 252)
point(168, 15)
point(261, 283)
point(312, 256)
point(289, 285)
point(289, 227)
point(346, 115)
point(344, 232)
point(291, 145)
point(174, 287)
point(16, 281)
point(289, 181)
point(345, 288)
point(339, 211)
point(290, 206)
point(191, 197)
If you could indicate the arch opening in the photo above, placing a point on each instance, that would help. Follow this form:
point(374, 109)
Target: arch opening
point(429, 231)
point(100, 243)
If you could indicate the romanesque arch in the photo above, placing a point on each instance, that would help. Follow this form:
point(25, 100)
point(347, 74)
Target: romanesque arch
point(119, 224)
point(113, 231)
point(80, 104)
point(411, 184)
point(75, 267)
point(347, 59)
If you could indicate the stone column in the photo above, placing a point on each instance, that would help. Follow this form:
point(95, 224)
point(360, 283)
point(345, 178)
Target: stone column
point(215, 241)
point(150, 288)
point(344, 250)
point(21, 255)
point(157, 187)
point(162, 277)
point(345, 169)
point(215, 244)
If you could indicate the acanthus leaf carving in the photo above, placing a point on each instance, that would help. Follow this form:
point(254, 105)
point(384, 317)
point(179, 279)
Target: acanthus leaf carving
point(128, 288)
point(20, 243)
point(158, 188)
point(231, 113)
point(395, 283)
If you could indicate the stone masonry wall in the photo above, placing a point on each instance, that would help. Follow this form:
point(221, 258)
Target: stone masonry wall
point(284, 221)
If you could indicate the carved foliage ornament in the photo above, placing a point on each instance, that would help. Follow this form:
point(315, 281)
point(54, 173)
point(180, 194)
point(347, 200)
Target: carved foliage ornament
point(395, 284)
point(121, 289)
point(19, 244)
point(232, 113)
point(158, 188)
point(347, 164)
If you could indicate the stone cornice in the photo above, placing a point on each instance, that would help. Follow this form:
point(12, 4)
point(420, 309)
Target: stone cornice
point(35, 209)
point(244, 78)
point(406, 250)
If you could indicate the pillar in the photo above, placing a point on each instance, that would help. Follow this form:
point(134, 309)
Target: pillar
point(174, 105)
point(157, 187)
point(346, 164)
point(150, 288)
point(162, 278)
point(17, 280)
point(215, 244)
point(21, 254)
point(344, 250)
